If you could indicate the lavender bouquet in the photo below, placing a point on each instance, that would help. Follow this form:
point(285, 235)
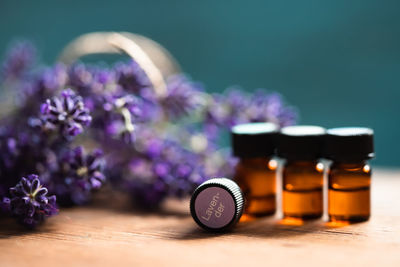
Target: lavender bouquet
point(78, 126)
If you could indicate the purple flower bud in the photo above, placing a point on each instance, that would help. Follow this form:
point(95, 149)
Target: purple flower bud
point(66, 113)
point(84, 172)
point(29, 202)
point(183, 96)
point(161, 169)
point(132, 78)
point(18, 59)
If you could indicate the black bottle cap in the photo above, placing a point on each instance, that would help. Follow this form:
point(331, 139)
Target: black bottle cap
point(349, 143)
point(252, 140)
point(217, 204)
point(303, 142)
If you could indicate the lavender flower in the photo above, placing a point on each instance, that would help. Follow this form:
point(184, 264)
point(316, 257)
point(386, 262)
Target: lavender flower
point(19, 58)
point(148, 153)
point(132, 78)
point(182, 97)
point(79, 175)
point(270, 107)
point(156, 169)
point(80, 77)
point(13, 148)
point(87, 168)
point(9, 149)
point(235, 106)
point(120, 116)
point(66, 113)
point(50, 80)
point(227, 109)
point(119, 98)
point(29, 202)
point(92, 82)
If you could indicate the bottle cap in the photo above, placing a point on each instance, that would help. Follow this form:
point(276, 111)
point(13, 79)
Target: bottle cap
point(303, 142)
point(252, 140)
point(349, 143)
point(217, 204)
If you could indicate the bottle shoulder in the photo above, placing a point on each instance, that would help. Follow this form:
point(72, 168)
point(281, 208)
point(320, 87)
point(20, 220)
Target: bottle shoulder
point(260, 164)
point(311, 166)
point(361, 167)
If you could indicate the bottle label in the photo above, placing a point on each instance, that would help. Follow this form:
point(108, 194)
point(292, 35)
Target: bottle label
point(215, 207)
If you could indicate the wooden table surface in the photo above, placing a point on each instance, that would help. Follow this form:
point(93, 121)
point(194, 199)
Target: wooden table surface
point(109, 235)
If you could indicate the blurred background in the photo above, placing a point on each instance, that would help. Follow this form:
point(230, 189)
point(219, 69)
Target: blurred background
point(338, 61)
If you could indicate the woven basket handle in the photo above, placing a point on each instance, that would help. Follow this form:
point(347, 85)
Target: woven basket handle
point(154, 59)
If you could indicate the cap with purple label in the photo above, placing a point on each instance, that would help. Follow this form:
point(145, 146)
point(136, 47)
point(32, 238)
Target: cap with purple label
point(217, 204)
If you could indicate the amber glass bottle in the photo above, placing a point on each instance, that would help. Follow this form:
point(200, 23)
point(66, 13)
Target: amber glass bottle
point(254, 145)
point(349, 177)
point(302, 173)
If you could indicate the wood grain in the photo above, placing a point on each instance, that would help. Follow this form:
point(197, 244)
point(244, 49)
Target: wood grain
point(107, 235)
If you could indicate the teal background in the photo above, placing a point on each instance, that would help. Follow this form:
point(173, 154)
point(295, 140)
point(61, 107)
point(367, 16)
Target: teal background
point(337, 61)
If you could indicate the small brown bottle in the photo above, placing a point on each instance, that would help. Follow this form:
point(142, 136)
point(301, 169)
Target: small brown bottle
point(302, 173)
point(349, 177)
point(254, 145)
